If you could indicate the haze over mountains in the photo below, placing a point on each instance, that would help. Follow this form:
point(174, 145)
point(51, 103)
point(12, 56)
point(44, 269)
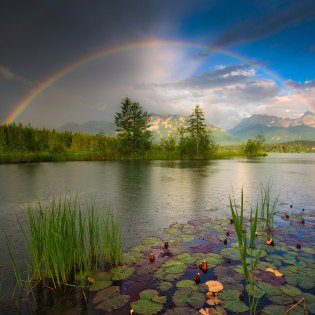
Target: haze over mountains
point(275, 129)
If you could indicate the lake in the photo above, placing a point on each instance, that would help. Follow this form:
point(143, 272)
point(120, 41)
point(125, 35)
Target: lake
point(149, 195)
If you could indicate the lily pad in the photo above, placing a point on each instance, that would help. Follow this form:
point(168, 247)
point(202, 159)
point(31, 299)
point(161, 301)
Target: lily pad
point(290, 290)
point(131, 257)
point(172, 269)
point(273, 309)
point(109, 299)
point(165, 286)
point(232, 252)
point(258, 293)
point(281, 299)
point(151, 240)
point(171, 230)
point(181, 311)
point(186, 258)
point(187, 284)
point(188, 296)
point(121, 272)
point(150, 302)
point(231, 301)
point(211, 258)
point(101, 284)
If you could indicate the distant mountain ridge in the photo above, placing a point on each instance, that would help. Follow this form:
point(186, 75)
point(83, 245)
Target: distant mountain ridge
point(276, 129)
point(161, 126)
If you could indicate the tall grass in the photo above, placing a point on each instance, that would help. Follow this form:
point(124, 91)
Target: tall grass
point(267, 206)
point(246, 243)
point(62, 239)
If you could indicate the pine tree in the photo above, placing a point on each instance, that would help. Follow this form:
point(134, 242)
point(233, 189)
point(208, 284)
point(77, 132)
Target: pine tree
point(132, 125)
point(198, 131)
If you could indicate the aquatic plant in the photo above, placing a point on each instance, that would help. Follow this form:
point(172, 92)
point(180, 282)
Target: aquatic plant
point(267, 206)
point(247, 247)
point(63, 240)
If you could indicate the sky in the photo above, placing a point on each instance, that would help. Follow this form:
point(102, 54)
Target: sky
point(75, 60)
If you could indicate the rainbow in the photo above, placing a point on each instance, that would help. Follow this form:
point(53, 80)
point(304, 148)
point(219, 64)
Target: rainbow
point(61, 73)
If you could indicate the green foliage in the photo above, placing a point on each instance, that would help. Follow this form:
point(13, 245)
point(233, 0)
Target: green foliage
point(246, 246)
point(199, 136)
point(62, 239)
point(132, 125)
point(255, 147)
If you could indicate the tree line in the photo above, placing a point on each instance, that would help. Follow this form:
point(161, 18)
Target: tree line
point(133, 140)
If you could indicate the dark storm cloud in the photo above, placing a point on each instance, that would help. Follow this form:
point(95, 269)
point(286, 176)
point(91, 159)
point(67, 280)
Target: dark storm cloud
point(7, 73)
point(256, 28)
point(48, 35)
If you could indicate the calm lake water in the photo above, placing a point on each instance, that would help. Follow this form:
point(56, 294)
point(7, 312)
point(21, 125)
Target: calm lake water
point(149, 195)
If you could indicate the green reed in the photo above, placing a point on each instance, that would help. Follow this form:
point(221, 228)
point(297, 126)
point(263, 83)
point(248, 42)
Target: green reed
point(267, 205)
point(246, 243)
point(62, 240)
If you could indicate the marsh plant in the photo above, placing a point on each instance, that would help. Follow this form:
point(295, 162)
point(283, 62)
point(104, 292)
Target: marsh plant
point(246, 242)
point(63, 240)
point(267, 205)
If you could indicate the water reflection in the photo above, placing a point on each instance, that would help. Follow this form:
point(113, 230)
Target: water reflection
point(149, 195)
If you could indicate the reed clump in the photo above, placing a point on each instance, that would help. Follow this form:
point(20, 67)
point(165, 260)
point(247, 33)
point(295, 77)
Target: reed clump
point(246, 244)
point(63, 240)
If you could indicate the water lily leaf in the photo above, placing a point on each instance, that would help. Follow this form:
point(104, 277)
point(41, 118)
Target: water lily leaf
point(100, 284)
point(109, 299)
point(186, 258)
point(212, 259)
point(151, 240)
point(290, 290)
point(228, 272)
point(131, 257)
point(232, 252)
point(181, 311)
point(273, 309)
point(171, 231)
point(121, 272)
point(268, 288)
point(150, 302)
point(172, 269)
point(310, 301)
point(184, 238)
point(139, 248)
point(258, 293)
point(101, 275)
point(113, 303)
point(231, 301)
point(188, 296)
point(165, 286)
point(146, 307)
point(281, 299)
point(187, 284)
point(231, 283)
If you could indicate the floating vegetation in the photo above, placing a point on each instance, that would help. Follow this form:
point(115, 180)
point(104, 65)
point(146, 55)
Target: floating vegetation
point(283, 273)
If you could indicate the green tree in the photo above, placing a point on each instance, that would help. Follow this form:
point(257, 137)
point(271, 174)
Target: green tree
point(132, 125)
point(255, 147)
point(199, 134)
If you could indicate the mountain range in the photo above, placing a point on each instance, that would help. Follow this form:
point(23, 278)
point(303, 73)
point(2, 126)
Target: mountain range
point(275, 129)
